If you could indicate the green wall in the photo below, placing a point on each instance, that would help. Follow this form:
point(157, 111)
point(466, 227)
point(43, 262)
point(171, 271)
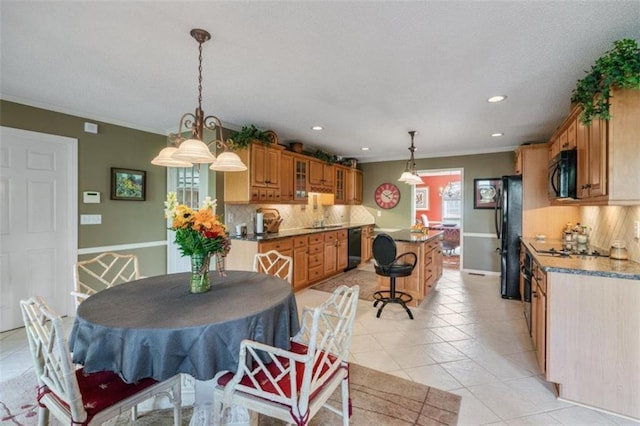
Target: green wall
point(123, 222)
point(479, 252)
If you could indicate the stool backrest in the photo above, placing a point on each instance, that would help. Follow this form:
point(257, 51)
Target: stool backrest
point(384, 249)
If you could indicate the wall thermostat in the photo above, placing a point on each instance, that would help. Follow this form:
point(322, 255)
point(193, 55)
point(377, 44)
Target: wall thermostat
point(91, 197)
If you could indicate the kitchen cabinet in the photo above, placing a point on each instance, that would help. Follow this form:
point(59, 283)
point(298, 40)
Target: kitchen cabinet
point(433, 261)
point(320, 176)
point(342, 243)
point(300, 262)
point(366, 243)
point(608, 154)
point(340, 185)
point(354, 186)
point(300, 182)
point(336, 256)
point(539, 314)
point(287, 177)
point(261, 181)
point(315, 260)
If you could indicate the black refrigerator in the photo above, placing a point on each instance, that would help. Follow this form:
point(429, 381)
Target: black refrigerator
point(508, 221)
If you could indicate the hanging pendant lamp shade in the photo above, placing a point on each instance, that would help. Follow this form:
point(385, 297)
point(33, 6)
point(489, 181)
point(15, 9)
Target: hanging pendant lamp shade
point(164, 158)
point(194, 151)
point(228, 162)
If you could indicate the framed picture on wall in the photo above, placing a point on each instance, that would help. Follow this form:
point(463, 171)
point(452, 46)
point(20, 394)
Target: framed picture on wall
point(128, 184)
point(422, 198)
point(485, 193)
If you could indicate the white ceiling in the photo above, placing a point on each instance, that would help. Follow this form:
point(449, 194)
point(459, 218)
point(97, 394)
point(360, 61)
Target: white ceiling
point(366, 71)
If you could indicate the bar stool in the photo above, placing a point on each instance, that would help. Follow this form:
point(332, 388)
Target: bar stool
point(388, 265)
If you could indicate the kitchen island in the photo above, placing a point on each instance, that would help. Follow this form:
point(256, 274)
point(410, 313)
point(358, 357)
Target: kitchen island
point(428, 249)
point(584, 327)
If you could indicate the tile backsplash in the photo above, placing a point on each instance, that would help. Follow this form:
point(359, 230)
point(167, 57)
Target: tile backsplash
point(296, 215)
point(612, 223)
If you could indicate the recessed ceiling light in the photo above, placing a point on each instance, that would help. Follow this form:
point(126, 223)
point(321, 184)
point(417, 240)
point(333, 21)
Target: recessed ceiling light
point(317, 128)
point(496, 135)
point(364, 148)
point(495, 99)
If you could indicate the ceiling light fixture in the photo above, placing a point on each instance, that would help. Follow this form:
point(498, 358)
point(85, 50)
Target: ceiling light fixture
point(317, 128)
point(364, 148)
point(495, 99)
point(410, 176)
point(497, 135)
point(187, 152)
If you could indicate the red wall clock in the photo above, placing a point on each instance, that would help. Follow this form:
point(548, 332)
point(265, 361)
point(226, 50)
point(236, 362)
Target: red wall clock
point(387, 196)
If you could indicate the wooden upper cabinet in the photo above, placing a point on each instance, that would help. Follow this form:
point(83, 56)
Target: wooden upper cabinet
point(320, 176)
point(570, 136)
point(287, 177)
point(340, 185)
point(608, 154)
point(518, 162)
point(261, 181)
point(354, 186)
point(265, 165)
point(300, 178)
point(582, 173)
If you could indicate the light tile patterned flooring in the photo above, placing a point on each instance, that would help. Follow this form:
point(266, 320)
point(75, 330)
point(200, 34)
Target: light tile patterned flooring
point(465, 339)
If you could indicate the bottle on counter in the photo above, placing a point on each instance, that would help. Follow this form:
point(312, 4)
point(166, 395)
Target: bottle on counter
point(567, 233)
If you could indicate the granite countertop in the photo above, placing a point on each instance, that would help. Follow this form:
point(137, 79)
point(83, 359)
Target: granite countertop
point(406, 236)
point(584, 265)
point(286, 233)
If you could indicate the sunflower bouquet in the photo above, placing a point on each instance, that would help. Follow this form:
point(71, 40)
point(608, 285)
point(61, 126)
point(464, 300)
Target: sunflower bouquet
point(198, 232)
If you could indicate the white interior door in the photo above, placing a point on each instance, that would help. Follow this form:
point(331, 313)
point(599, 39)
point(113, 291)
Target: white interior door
point(38, 221)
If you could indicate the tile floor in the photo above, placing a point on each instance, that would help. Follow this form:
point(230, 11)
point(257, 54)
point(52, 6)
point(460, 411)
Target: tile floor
point(465, 339)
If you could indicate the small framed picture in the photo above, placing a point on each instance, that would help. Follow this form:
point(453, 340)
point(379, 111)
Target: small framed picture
point(486, 193)
point(422, 198)
point(128, 184)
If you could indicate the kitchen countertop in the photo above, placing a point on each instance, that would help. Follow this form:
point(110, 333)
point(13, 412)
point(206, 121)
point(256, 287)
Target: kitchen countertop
point(405, 236)
point(584, 265)
point(286, 233)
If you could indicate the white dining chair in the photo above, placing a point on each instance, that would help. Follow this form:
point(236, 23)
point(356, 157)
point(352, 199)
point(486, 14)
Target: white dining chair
point(274, 263)
point(425, 220)
point(292, 385)
point(101, 272)
point(70, 394)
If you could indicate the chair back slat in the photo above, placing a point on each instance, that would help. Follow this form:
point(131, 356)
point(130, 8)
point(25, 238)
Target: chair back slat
point(104, 271)
point(274, 263)
point(54, 368)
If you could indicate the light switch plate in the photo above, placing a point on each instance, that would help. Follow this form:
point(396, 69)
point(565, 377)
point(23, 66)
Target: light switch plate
point(90, 219)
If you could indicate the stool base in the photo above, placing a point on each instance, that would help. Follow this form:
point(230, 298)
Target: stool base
point(392, 296)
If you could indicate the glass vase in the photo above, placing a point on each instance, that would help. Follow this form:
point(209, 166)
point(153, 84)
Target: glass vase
point(200, 273)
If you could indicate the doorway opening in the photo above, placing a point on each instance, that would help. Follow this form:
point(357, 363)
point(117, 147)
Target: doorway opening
point(439, 205)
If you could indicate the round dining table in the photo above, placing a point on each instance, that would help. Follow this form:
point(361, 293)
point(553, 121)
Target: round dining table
point(154, 327)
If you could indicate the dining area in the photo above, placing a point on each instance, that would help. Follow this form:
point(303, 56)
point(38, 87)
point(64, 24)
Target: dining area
point(242, 340)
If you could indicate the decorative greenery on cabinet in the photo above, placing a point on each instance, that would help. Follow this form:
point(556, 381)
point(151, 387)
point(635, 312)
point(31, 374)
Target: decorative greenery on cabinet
point(617, 68)
point(248, 134)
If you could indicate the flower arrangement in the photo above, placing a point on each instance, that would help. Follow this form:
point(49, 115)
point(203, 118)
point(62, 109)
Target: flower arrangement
point(199, 234)
point(197, 231)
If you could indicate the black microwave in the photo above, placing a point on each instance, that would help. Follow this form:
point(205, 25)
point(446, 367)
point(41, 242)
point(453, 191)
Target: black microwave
point(562, 175)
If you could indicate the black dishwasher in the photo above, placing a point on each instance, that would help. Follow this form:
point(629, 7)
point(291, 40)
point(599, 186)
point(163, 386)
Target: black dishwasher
point(355, 247)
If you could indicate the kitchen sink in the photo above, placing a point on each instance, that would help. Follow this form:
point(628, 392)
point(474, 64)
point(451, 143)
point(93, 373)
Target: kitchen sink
point(323, 227)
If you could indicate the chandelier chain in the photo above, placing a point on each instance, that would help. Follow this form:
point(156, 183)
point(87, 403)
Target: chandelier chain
point(200, 75)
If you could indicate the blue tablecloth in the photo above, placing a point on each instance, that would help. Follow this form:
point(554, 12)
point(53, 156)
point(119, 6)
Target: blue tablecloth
point(154, 327)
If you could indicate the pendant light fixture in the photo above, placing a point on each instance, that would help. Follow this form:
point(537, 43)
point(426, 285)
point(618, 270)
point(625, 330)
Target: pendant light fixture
point(410, 176)
point(186, 152)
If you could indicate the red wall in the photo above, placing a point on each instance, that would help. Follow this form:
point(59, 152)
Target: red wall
point(435, 202)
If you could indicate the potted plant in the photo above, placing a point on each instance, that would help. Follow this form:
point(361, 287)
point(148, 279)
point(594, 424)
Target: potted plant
point(325, 156)
point(618, 68)
point(248, 134)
